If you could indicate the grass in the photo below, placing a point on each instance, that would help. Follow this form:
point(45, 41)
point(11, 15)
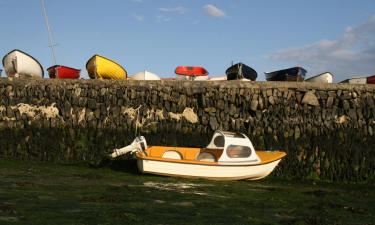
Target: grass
point(42, 193)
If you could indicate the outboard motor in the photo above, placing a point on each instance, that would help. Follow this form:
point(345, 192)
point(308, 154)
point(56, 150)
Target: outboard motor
point(139, 144)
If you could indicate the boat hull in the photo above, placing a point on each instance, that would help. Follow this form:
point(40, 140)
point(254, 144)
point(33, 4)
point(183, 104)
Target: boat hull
point(241, 71)
point(356, 80)
point(296, 74)
point(321, 78)
point(218, 78)
point(145, 75)
point(191, 73)
point(194, 78)
point(99, 67)
point(211, 171)
point(220, 172)
point(63, 72)
point(20, 64)
point(371, 79)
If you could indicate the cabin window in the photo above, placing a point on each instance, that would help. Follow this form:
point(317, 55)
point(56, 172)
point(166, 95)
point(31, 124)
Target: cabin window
point(219, 141)
point(238, 151)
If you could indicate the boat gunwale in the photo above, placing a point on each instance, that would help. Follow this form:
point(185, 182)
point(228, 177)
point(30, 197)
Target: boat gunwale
point(55, 66)
point(203, 163)
point(126, 73)
point(26, 55)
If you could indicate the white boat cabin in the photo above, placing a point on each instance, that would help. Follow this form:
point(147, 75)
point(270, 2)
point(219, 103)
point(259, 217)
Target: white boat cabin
point(236, 148)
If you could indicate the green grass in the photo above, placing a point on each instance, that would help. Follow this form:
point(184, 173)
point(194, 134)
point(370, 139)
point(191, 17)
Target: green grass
point(40, 193)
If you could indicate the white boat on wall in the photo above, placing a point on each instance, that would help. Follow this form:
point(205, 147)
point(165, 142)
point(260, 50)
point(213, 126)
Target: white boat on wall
point(355, 80)
point(20, 64)
point(145, 75)
point(218, 78)
point(326, 77)
point(229, 156)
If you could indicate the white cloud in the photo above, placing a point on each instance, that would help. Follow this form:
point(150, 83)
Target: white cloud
point(162, 19)
point(213, 11)
point(351, 55)
point(138, 17)
point(137, 1)
point(177, 9)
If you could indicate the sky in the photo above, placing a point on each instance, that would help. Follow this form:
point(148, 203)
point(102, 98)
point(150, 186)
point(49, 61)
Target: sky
point(158, 35)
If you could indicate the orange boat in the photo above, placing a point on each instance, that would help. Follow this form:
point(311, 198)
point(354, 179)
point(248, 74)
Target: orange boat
point(192, 72)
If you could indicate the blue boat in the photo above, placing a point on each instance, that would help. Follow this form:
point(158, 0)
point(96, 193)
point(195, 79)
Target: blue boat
point(241, 71)
point(291, 74)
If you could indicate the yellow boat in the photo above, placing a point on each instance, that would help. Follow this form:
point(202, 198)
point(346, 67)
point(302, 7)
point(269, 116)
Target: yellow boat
point(99, 67)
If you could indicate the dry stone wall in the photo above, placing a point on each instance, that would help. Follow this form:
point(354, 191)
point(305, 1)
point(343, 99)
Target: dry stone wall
point(326, 129)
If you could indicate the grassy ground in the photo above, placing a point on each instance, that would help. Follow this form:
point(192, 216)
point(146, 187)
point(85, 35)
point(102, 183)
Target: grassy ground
point(34, 193)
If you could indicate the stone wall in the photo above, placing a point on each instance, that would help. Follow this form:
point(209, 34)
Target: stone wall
point(326, 129)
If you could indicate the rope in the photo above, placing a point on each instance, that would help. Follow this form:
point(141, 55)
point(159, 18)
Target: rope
point(136, 121)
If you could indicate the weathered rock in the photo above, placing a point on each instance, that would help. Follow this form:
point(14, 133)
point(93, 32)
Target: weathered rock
point(330, 102)
point(254, 105)
point(310, 99)
point(213, 123)
point(271, 100)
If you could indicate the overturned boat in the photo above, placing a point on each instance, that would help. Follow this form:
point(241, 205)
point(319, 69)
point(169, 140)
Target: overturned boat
point(371, 79)
point(191, 73)
point(20, 64)
point(145, 75)
point(355, 80)
point(326, 77)
point(216, 78)
point(241, 71)
point(63, 72)
point(229, 156)
point(99, 67)
point(291, 74)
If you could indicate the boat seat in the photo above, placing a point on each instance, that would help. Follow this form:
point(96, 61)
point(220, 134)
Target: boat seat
point(206, 157)
point(172, 154)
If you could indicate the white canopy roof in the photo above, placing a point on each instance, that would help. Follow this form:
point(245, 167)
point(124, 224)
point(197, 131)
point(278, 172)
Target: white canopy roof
point(237, 148)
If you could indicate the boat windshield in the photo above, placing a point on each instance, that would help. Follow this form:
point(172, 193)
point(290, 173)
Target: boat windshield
point(233, 135)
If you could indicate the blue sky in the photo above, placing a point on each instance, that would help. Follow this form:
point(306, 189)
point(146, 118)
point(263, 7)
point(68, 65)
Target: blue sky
point(158, 35)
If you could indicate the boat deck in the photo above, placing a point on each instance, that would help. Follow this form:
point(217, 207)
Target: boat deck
point(189, 155)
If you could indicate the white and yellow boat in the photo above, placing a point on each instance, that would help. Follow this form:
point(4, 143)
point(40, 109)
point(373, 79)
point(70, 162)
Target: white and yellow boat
point(99, 67)
point(229, 156)
point(20, 64)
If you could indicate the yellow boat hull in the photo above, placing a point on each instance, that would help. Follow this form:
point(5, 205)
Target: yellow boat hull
point(99, 67)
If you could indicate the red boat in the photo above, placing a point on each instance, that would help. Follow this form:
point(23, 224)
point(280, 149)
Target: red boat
point(371, 79)
point(63, 72)
point(192, 71)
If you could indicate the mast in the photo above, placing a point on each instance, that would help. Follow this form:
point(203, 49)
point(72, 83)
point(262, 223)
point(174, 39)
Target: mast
point(51, 44)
